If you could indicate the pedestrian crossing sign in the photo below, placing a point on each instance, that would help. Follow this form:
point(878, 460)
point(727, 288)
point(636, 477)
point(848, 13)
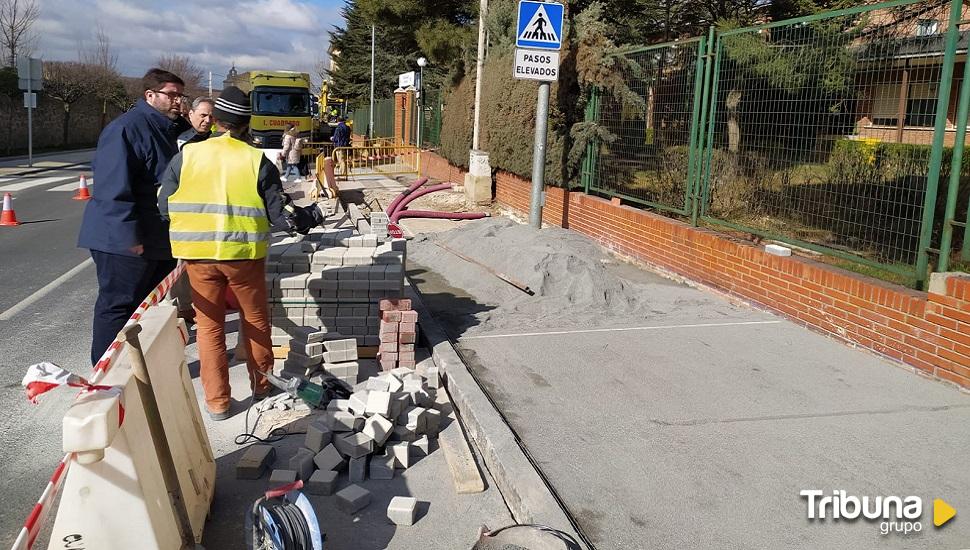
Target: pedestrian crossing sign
point(539, 25)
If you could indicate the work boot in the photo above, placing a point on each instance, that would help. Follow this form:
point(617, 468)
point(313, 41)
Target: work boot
point(218, 416)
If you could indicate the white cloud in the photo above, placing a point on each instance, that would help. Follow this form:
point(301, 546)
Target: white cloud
point(253, 34)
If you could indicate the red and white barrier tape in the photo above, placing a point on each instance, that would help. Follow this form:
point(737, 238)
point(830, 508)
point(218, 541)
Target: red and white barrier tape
point(28, 534)
point(35, 521)
point(155, 296)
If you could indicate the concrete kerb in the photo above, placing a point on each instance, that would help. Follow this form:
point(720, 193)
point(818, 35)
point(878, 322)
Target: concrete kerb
point(524, 490)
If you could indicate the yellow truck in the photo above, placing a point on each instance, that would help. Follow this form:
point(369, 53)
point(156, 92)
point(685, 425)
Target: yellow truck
point(279, 98)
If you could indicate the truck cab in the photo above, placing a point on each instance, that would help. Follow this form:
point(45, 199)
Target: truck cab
point(279, 98)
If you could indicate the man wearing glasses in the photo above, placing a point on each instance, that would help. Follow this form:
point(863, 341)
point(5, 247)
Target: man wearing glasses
point(122, 227)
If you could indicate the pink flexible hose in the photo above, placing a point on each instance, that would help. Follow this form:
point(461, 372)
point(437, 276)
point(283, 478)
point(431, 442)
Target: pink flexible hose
point(391, 207)
point(417, 194)
point(439, 215)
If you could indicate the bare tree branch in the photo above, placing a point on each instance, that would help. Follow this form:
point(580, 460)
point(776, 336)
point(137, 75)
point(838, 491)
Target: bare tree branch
point(101, 54)
point(16, 19)
point(186, 69)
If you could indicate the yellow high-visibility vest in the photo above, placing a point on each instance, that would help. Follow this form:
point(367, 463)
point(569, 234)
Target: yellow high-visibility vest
point(217, 213)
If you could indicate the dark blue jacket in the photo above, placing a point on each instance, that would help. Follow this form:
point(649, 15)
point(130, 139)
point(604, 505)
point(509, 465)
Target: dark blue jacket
point(341, 135)
point(132, 154)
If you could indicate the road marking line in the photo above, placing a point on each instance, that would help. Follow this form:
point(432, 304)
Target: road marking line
point(47, 289)
point(622, 329)
point(73, 186)
point(31, 183)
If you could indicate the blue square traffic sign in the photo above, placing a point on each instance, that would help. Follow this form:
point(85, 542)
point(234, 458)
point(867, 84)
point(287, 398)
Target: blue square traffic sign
point(540, 25)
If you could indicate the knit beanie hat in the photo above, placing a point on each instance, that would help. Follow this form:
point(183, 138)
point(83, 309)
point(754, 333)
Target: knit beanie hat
point(233, 106)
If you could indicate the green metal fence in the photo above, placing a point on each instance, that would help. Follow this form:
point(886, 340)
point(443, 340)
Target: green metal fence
point(431, 123)
point(831, 132)
point(383, 119)
point(654, 124)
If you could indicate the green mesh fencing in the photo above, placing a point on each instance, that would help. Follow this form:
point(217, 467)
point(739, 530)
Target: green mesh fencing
point(823, 131)
point(833, 132)
point(431, 123)
point(650, 152)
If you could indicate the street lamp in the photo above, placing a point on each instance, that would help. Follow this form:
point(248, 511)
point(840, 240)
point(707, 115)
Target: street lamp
point(421, 63)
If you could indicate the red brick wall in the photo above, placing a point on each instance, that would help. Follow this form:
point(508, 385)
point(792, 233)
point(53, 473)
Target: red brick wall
point(927, 330)
point(437, 167)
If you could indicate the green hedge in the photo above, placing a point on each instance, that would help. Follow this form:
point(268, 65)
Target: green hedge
point(507, 122)
point(871, 161)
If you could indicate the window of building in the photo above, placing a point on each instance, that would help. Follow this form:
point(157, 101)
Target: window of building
point(927, 27)
point(921, 104)
point(885, 104)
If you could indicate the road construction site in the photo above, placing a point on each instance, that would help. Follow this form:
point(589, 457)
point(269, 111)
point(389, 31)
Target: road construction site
point(592, 394)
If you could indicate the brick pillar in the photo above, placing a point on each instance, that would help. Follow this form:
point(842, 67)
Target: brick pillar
point(400, 105)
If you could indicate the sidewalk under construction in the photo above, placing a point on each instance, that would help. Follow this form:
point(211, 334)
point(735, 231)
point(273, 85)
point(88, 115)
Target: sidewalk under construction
point(666, 416)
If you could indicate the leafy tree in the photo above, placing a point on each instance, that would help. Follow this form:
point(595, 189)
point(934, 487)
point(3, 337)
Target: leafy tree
point(445, 36)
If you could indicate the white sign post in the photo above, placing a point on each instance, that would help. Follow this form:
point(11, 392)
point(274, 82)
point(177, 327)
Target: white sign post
point(30, 74)
point(537, 43)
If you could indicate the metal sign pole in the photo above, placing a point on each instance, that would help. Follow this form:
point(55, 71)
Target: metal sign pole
point(538, 41)
point(370, 128)
point(30, 124)
point(539, 156)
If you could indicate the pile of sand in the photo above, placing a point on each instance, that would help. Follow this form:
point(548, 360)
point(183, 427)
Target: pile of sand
point(575, 282)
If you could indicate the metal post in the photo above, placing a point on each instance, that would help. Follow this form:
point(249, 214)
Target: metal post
point(370, 128)
point(702, 143)
point(539, 156)
point(936, 154)
point(30, 119)
point(958, 142)
point(692, 148)
point(143, 382)
point(210, 83)
point(711, 122)
point(586, 173)
point(479, 68)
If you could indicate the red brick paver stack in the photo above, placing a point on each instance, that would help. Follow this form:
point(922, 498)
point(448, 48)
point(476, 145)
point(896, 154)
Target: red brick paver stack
point(398, 333)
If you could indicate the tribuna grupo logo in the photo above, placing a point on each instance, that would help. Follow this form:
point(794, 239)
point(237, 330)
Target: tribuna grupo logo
point(895, 514)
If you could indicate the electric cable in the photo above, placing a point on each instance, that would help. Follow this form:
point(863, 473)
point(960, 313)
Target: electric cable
point(248, 435)
point(289, 522)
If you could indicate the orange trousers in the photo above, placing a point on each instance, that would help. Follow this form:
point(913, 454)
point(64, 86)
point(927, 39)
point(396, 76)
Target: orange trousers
point(247, 280)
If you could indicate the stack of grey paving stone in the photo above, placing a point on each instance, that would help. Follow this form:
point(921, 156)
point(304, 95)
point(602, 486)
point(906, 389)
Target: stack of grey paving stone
point(332, 280)
point(389, 421)
point(315, 358)
point(378, 224)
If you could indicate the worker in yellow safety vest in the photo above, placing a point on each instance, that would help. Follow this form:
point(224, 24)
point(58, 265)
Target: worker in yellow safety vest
point(221, 196)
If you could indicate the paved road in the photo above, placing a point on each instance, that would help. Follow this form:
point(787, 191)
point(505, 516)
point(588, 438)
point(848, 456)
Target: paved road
point(56, 327)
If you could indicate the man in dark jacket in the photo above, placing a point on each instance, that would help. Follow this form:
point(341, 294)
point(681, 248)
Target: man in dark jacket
point(121, 227)
point(341, 134)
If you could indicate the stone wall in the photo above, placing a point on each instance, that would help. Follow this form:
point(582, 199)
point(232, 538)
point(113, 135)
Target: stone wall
point(86, 122)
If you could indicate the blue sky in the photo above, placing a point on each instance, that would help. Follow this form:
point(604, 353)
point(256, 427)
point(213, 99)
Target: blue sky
point(255, 34)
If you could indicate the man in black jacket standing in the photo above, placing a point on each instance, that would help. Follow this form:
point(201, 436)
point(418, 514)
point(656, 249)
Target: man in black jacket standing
point(122, 227)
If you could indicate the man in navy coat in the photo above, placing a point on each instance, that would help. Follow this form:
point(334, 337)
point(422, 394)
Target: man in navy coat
point(122, 227)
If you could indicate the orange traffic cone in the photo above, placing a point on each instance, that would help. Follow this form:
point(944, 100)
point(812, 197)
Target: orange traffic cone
point(8, 216)
point(82, 190)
